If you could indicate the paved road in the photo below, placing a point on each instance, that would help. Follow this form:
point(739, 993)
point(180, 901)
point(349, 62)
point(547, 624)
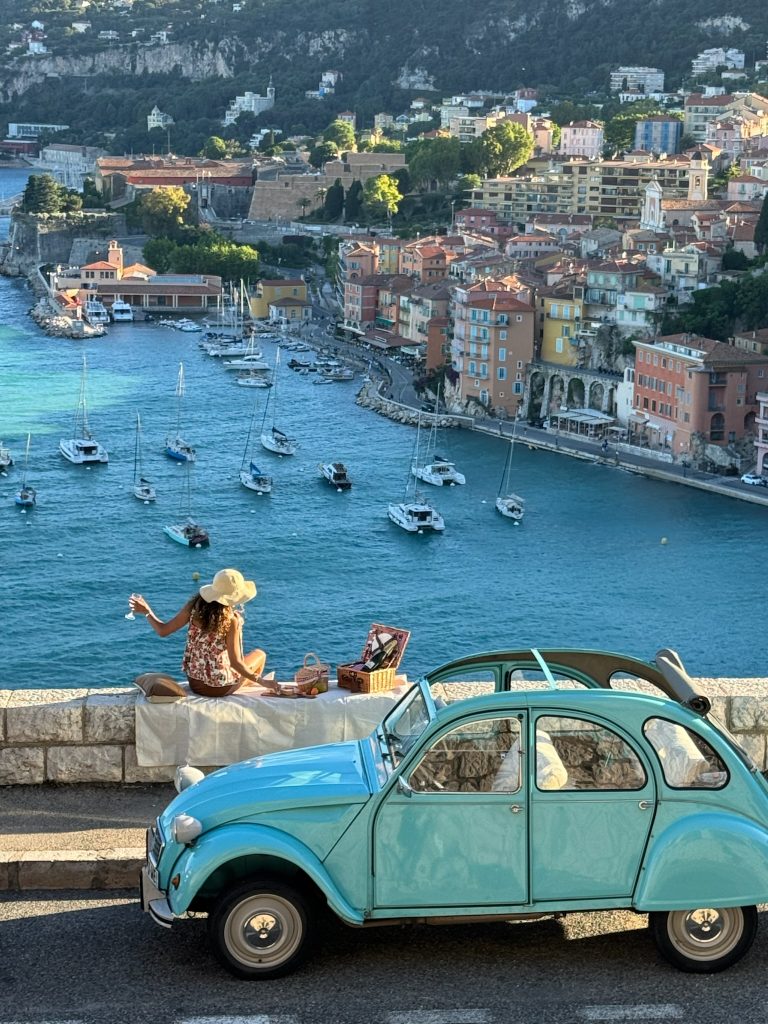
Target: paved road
point(100, 961)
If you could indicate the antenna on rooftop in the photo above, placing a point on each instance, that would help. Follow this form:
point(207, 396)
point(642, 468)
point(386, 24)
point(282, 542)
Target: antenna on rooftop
point(168, 134)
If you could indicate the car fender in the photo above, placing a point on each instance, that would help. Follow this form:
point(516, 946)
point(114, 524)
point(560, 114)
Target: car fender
point(710, 859)
point(198, 862)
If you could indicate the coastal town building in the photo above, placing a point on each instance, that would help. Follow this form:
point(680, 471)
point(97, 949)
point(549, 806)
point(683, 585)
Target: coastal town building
point(700, 110)
point(157, 119)
point(124, 177)
point(637, 79)
point(658, 134)
point(690, 389)
point(70, 165)
point(582, 138)
point(761, 440)
point(273, 292)
point(715, 58)
point(250, 102)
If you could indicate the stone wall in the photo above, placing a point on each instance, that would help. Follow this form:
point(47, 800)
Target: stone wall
point(88, 735)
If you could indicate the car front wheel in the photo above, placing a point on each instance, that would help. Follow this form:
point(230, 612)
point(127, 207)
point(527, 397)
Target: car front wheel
point(705, 940)
point(260, 929)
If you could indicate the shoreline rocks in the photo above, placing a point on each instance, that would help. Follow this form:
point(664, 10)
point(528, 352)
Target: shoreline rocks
point(368, 398)
point(60, 326)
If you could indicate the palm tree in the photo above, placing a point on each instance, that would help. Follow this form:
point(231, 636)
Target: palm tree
point(303, 203)
point(320, 195)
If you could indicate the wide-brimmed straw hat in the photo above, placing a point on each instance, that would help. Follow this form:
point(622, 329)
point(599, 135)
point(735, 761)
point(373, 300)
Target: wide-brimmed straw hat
point(228, 587)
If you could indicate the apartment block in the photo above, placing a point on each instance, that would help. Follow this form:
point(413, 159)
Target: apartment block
point(637, 79)
point(658, 134)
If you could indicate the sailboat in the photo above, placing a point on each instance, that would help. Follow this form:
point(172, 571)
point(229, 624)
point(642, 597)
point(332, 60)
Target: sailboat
point(82, 448)
point(26, 496)
point(437, 470)
point(6, 459)
point(142, 488)
point(413, 513)
point(272, 439)
point(509, 504)
point(250, 360)
point(188, 531)
point(250, 475)
point(175, 445)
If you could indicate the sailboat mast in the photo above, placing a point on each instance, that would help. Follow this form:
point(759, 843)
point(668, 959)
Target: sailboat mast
point(26, 462)
point(250, 431)
point(179, 396)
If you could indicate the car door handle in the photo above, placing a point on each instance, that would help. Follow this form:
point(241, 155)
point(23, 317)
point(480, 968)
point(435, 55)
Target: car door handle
point(515, 808)
point(644, 805)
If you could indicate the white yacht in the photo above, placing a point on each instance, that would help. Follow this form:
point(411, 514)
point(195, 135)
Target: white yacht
point(175, 446)
point(336, 474)
point(122, 312)
point(188, 533)
point(416, 516)
point(253, 379)
point(255, 479)
point(509, 504)
point(252, 361)
point(6, 459)
point(438, 472)
point(82, 448)
point(95, 312)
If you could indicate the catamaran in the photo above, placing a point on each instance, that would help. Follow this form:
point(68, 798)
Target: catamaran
point(142, 488)
point(413, 513)
point(26, 496)
point(187, 531)
point(82, 448)
point(175, 445)
point(272, 439)
point(435, 469)
point(507, 503)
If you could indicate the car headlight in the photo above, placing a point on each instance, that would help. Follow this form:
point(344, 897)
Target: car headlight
point(185, 829)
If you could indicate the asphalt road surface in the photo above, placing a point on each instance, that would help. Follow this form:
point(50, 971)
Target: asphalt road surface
point(64, 958)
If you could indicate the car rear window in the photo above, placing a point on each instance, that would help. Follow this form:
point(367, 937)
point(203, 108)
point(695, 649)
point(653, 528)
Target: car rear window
point(687, 760)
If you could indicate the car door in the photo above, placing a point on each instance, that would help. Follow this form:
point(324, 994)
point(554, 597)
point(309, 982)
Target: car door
point(593, 800)
point(454, 834)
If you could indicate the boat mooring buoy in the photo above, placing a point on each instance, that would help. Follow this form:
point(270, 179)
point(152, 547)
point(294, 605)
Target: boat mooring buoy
point(664, 540)
point(195, 575)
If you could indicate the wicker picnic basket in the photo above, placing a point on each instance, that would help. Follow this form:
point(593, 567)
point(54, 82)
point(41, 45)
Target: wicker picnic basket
point(313, 675)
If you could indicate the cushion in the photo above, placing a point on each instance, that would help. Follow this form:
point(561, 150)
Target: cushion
point(159, 688)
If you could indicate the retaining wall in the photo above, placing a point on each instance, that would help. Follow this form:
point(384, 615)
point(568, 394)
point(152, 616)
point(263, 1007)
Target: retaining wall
point(88, 735)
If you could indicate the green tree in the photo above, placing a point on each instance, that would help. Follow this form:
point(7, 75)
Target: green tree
point(466, 183)
point(322, 153)
point(162, 210)
point(761, 228)
point(215, 148)
point(433, 162)
point(506, 146)
point(159, 253)
point(342, 134)
point(42, 194)
point(334, 200)
point(381, 196)
point(353, 203)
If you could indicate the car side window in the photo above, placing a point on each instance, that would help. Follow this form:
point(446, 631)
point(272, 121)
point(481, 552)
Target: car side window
point(687, 760)
point(592, 757)
point(475, 757)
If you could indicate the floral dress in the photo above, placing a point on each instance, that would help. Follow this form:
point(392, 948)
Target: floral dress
point(206, 659)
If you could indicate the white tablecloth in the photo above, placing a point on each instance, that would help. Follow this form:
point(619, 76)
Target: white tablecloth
point(214, 731)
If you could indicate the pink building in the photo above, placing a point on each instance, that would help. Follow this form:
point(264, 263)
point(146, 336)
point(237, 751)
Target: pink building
point(582, 138)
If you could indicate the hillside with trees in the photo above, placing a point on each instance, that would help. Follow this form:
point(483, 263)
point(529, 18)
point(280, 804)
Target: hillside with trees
point(207, 52)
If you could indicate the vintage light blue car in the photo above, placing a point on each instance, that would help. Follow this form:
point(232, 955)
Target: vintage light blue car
point(510, 784)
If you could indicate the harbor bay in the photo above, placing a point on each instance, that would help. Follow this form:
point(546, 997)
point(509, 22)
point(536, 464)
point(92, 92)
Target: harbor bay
point(603, 559)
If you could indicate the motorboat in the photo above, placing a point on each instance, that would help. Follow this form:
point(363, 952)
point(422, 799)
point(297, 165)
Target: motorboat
point(336, 475)
point(189, 533)
point(416, 516)
point(251, 361)
point(438, 472)
point(121, 312)
point(339, 373)
point(188, 326)
point(6, 459)
point(95, 312)
point(82, 448)
point(253, 380)
point(175, 446)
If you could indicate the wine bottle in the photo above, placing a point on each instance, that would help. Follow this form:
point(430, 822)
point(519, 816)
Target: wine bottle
point(382, 654)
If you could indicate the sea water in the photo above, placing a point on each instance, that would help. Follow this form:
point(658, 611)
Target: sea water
point(603, 559)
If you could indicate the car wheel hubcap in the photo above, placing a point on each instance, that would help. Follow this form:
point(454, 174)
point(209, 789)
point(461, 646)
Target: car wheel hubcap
point(263, 931)
point(706, 933)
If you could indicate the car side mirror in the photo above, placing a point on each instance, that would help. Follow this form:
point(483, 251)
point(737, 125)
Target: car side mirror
point(404, 787)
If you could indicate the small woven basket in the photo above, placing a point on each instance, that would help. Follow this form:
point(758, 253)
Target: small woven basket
point(313, 675)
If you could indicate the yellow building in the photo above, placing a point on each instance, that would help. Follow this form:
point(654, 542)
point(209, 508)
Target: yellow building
point(560, 316)
point(271, 292)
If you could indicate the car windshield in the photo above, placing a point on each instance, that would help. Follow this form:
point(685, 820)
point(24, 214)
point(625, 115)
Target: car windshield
point(405, 723)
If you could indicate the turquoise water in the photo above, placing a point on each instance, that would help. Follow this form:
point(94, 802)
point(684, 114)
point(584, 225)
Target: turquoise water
point(587, 567)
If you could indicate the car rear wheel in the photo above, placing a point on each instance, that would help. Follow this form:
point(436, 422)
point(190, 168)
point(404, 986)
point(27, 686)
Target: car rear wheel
point(704, 940)
point(260, 929)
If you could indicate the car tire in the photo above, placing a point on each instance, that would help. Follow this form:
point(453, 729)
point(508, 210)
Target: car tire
point(704, 941)
point(260, 929)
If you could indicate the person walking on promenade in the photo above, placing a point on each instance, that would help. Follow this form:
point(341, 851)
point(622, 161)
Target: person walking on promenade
point(213, 659)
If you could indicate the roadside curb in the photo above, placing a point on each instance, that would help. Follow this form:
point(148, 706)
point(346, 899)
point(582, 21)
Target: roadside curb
point(117, 868)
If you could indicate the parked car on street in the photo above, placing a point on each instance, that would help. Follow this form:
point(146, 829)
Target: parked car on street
point(507, 785)
point(755, 479)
